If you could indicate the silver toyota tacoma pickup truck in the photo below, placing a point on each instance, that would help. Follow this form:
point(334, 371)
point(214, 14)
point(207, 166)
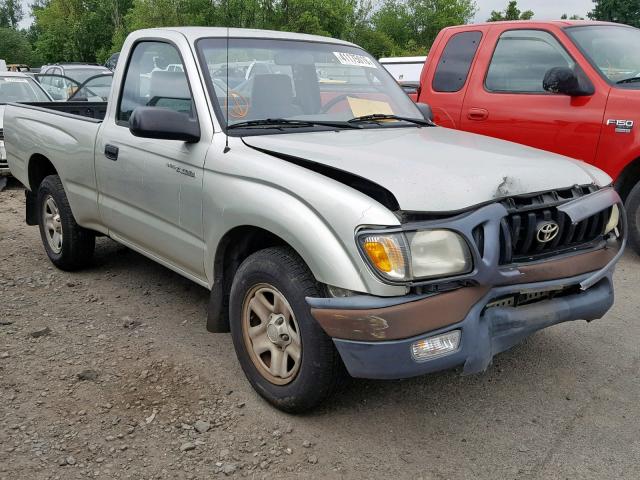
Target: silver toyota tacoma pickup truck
point(335, 225)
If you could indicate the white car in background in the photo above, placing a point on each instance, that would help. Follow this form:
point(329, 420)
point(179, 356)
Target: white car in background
point(16, 87)
point(406, 71)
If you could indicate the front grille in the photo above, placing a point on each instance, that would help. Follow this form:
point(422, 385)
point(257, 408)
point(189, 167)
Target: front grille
point(519, 230)
point(1, 134)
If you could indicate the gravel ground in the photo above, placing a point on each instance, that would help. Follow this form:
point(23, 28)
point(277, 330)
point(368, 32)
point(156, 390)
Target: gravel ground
point(110, 373)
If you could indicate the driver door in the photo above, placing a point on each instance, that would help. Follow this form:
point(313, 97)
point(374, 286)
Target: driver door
point(505, 99)
point(150, 191)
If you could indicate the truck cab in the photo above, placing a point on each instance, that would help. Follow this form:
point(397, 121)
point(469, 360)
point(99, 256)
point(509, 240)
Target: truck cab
point(569, 87)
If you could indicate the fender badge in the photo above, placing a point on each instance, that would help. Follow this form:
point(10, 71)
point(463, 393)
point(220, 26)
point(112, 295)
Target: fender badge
point(183, 171)
point(622, 126)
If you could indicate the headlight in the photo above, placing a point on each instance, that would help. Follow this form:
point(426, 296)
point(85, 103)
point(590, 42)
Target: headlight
point(417, 255)
point(3, 152)
point(614, 219)
point(435, 253)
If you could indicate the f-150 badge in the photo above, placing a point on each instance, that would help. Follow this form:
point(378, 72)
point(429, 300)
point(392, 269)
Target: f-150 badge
point(622, 126)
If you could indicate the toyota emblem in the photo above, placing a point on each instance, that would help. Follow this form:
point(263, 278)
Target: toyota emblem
point(547, 232)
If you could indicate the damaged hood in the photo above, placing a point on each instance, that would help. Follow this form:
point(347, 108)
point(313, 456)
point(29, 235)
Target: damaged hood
point(435, 169)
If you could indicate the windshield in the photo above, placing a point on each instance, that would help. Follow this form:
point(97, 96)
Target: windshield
point(299, 80)
point(20, 89)
point(81, 75)
point(611, 49)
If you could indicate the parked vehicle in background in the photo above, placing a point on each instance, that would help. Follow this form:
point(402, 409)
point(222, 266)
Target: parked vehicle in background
point(16, 87)
point(94, 89)
point(406, 71)
point(59, 87)
point(570, 87)
point(333, 222)
point(112, 61)
point(79, 72)
point(18, 67)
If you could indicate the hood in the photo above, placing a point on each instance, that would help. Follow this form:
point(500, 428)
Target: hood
point(435, 169)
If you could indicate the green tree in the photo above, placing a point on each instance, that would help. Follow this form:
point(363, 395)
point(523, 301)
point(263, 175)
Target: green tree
point(572, 17)
point(512, 12)
point(10, 13)
point(77, 30)
point(621, 11)
point(14, 46)
point(414, 24)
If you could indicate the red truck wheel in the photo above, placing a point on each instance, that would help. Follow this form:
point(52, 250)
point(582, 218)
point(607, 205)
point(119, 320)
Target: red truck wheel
point(633, 216)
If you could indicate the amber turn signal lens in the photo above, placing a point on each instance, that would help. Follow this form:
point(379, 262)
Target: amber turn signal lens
point(386, 254)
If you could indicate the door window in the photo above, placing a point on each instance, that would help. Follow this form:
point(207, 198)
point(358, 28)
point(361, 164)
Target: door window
point(455, 62)
point(155, 78)
point(521, 60)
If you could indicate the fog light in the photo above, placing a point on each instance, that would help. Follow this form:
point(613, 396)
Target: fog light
point(434, 347)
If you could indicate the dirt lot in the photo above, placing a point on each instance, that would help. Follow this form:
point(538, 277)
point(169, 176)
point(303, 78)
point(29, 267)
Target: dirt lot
point(110, 373)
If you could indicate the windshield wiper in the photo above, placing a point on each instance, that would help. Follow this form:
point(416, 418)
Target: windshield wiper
point(288, 123)
point(376, 117)
point(629, 80)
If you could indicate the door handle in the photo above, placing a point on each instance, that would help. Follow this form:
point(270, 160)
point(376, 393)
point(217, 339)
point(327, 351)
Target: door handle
point(111, 152)
point(477, 114)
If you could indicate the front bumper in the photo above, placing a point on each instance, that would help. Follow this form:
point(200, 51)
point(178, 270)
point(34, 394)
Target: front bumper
point(485, 332)
point(374, 335)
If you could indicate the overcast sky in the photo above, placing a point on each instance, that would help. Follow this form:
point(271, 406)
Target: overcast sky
point(543, 9)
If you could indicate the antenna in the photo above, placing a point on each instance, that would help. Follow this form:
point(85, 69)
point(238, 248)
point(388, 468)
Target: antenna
point(226, 145)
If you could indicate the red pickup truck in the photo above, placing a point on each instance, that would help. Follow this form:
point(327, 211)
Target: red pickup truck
point(570, 87)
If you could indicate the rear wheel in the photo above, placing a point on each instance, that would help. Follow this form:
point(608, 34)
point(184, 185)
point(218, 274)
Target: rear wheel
point(284, 353)
point(68, 245)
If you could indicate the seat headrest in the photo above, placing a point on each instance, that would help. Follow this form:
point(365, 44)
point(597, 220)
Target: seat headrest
point(271, 95)
point(169, 85)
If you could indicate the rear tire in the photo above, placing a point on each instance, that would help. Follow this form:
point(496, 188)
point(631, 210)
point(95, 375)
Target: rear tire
point(68, 245)
point(272, 326)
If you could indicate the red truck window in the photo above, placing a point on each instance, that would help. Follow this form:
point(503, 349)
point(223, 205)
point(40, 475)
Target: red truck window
point(521, 60)
point(455, 62)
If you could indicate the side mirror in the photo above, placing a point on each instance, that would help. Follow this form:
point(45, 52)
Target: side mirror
point(163, 124)
point(565, 81)
point(425, 110)
point(410, 88)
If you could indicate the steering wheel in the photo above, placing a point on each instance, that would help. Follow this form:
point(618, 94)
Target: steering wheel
point(336, 100)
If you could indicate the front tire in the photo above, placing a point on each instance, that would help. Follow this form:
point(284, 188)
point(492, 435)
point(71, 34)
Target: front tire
point(287, 357)
point(68, 245)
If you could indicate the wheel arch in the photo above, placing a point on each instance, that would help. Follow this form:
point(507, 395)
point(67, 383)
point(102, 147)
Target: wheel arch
point(628, 178)
point(234, 247)
point(38, 168)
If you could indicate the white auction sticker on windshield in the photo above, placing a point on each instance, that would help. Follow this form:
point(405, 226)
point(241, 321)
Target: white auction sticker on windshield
point(354, 60)
point(15, 80)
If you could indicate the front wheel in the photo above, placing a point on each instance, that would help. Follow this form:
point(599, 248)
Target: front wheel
point(68, 245)
point(286, 356)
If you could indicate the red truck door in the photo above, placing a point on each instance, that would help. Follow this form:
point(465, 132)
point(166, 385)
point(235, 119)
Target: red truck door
point(444, 79)
point(505, 97)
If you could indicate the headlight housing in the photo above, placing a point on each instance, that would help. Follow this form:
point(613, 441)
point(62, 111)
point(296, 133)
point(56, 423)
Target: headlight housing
point(3, 152)
point(417, 255)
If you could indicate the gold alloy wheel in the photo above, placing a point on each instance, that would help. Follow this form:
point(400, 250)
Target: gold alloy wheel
point(52, 224)
point(271, 334)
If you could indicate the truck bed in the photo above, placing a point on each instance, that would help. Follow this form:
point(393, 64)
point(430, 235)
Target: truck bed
point(94, 111)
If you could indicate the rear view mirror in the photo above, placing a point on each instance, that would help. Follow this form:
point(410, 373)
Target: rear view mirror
point(163, 124)
point(425, 110)
point(565, 81)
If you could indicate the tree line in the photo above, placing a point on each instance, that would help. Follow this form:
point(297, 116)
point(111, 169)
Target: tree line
point(91, 30)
